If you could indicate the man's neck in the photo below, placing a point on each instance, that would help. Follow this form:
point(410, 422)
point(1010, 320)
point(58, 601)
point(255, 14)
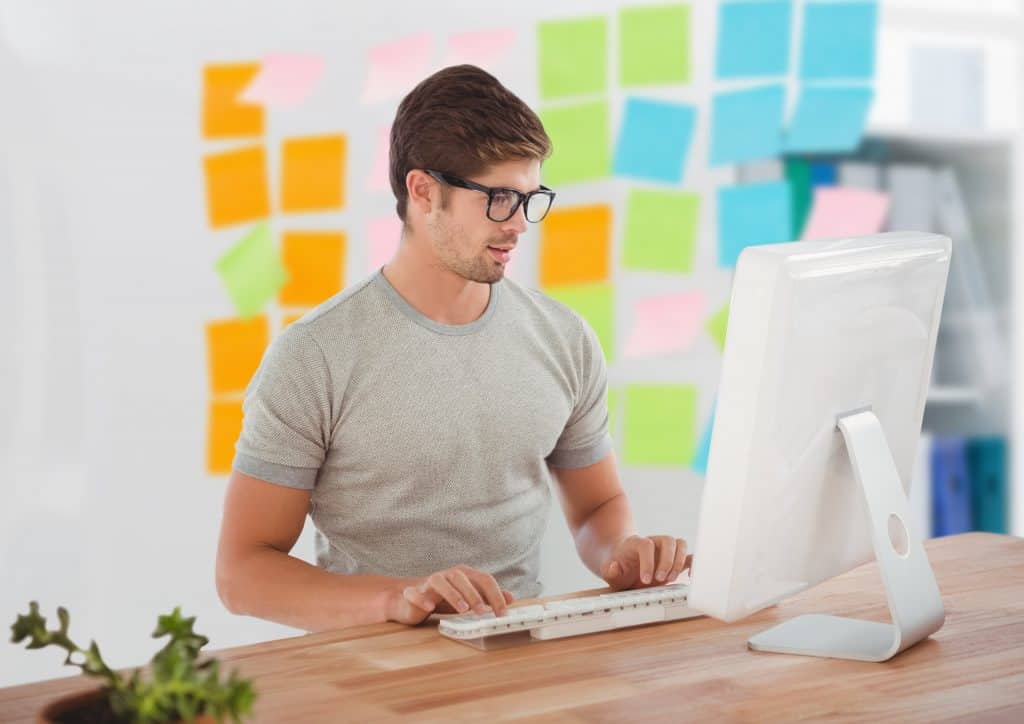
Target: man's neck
point(437, 293)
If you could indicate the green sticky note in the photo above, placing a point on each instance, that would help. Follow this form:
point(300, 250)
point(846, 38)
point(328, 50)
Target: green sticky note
point(798, 173)
point(661, 230)
point(654, 45)
point(252, 271)
point(661, 425)
point(614, 404)
point(580, 139)
point(717, 324)
point(595, 303)
point(573, 57)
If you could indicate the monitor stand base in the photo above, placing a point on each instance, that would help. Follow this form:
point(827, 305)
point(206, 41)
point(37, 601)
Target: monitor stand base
point(914, 602)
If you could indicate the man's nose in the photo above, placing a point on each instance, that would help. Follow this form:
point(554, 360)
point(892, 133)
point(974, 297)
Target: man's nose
point(517, 222)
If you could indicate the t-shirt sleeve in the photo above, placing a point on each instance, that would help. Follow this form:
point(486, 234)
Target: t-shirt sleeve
point(286, 413)
point(585, 439)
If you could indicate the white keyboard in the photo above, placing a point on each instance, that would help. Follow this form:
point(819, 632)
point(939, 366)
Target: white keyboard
point(576, 616)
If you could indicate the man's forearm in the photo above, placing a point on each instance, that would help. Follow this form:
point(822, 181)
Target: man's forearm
point(276, 586)
point(608, 524)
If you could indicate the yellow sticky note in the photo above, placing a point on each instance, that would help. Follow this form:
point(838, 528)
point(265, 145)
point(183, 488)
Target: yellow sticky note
point(222, 432)
point(223, 115)
point(236, 186)
point(576, 246)
point(234, 349)
point(315, 263)
point(313, 173)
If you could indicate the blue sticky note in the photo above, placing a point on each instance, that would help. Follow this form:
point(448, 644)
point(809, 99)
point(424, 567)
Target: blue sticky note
point(700, 460)
point(828, 119)
point(746, 125)
point(751, 214)
point(823, 174)
point(839, 40)
point(753, 39)
point(654, 140)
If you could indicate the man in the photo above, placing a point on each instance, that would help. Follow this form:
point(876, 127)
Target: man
point(418, 415)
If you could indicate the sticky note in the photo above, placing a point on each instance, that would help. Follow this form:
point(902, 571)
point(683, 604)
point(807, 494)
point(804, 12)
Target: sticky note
point(595, 303)
point(580, 143)
point(482, 48)
point(223, 429)
point(839, 211)
point(315, 263)
point(654, 45)
point(234, 349)
point(313, 173)
point(798, 174)
point(828, 119)
point(223, 115)
point(654, 140)
point(746, 125)
point(753, 39)
point(575, 245)
point(717, 325)
point(236, 186)
point(284, 80)
point(751, 214)
point(838, 40)
point(665, 323)
point(394, 68)
point(383, 234)
point(660, 425)
point(380, 174)
point(252, 271)
point(661, 230)
point(700, 461)
point(572, 57)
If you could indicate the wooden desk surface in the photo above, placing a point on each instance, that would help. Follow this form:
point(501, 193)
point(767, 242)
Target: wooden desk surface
point(972, 669)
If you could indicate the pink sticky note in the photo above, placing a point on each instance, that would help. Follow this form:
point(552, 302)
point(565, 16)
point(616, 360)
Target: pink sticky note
point(384, 234)
point(284, 80)
point(379, 176)
point(485, 48)
point(395, 67)
point(666, 323)
point(840, 211)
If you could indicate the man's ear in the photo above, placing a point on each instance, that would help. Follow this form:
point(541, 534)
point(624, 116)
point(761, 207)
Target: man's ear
point(420, 188)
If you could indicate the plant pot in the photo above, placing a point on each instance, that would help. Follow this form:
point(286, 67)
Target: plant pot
point(89, 707)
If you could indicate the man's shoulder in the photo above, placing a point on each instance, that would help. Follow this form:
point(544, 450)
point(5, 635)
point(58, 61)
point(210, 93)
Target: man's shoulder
point(347, 306)
point(542, 308)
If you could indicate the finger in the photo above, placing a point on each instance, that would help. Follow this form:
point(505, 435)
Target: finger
point(509, 596)
point(645, 558)
point(447, 591)
point(468, 590)
point(688, 564)
point(666, 556)
point(418, 599)
point(678, 560)
point(490, 589)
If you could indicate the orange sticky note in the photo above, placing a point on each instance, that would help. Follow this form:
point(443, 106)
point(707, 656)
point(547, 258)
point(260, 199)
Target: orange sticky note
point(223, 115)
point(312, 173)
point(236, 186)
point(576, 246)
point(234, 350)
point(222, 432)
point(315, 264)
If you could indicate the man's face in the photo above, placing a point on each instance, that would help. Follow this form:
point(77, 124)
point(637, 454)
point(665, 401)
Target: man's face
point(462, 234)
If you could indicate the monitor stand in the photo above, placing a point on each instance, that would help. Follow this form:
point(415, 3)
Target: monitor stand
point(914, 602)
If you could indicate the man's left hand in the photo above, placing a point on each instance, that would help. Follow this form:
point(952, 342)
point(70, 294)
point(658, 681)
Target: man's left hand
point(639, 561)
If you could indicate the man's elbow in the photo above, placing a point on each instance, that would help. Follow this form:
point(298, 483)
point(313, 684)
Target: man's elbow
point(228, 589)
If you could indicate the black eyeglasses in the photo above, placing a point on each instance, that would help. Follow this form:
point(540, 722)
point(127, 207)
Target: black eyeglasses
point(503, 203)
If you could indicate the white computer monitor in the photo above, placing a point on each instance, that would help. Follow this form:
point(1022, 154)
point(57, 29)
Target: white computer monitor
point(827, 365)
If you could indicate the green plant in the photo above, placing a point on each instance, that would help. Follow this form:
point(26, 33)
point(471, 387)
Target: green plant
point(177, 688)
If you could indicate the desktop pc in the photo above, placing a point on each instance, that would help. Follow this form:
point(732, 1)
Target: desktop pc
point(826, 370)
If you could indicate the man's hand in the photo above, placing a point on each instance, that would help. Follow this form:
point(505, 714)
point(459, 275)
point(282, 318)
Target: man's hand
point(638, 561)
point(458, 589)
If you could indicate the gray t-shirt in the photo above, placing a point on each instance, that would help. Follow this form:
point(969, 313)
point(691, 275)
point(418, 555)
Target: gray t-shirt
point(425, 445)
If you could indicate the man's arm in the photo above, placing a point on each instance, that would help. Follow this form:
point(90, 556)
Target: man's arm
point(601, 523)
point(256, 576)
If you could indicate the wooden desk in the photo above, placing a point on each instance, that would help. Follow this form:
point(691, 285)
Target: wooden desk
point(972, 669)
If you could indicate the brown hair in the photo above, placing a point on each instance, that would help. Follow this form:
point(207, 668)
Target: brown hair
point(461, 120)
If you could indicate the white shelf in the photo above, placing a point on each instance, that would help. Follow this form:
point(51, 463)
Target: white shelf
point(938, 135)
point(950, 394)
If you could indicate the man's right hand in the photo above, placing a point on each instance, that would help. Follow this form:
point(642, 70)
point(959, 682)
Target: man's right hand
point(458, 589)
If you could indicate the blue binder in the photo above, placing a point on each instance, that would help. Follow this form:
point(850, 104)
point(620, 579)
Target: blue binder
point(951, 487)
point(986, 461)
